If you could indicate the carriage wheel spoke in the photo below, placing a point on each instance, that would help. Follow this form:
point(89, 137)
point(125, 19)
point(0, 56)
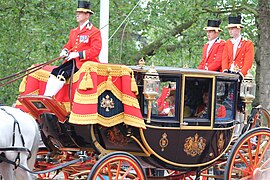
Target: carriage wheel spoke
point(100, 176)
point(250, 145)
point(109, 170)
point(118, 169)
point(263, 154)
point(243, 158)
point(127, 171)
point(257, 150)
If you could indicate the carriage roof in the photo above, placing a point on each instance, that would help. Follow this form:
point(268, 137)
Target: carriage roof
point(176, 70)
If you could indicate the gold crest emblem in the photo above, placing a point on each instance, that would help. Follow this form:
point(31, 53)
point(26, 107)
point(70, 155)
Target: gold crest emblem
point(107, 103)
point(194, 145)
point(163, 142)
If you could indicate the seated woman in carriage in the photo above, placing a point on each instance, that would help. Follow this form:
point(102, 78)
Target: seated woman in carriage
point(201, 110)
point(167, 101)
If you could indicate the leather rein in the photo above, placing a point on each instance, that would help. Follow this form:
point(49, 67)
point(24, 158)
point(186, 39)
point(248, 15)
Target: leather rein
point(16, 76)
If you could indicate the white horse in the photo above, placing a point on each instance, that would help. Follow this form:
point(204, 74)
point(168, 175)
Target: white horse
point(29, 136)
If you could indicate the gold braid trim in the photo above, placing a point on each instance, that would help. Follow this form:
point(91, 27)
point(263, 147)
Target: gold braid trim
point(41, 75)
point(134, 121)
point(102, 69)
point(107, 122)
point(36, 92)
point(23, 85)
point(125, 99)
point(85, 98)
point(18, 103)
point(103, 87)
point(134, 87)
point(128, 100)
point(67, 106)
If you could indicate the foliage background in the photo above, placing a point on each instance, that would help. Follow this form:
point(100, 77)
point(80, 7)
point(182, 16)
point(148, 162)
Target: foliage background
point(165, 32)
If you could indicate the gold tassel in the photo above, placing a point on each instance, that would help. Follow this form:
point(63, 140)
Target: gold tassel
point(87, 82)
point(23, 85)
point(134, 87)
point(109, 82)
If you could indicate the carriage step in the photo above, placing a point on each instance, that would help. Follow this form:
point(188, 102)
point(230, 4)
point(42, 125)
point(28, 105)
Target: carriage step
point(37, 105)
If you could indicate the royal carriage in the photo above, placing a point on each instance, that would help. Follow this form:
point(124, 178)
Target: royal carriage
point(141, 122)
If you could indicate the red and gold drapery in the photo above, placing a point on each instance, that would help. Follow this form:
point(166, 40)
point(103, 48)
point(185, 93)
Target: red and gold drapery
point(90, 82)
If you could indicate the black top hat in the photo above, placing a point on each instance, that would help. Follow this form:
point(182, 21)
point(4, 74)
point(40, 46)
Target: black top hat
point(235, 21)
point(213, 25)
point(84, 6)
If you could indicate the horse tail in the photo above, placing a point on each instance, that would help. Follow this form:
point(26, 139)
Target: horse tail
point(31, 161)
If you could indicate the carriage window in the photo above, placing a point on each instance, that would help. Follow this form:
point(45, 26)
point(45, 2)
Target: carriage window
point(225, 98)
point(198, 98)
point(164, 106)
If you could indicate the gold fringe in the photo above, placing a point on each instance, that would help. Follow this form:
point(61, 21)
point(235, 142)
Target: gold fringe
point(134, 87)
point(106, 121)
point(22, 85)
point(87, 82)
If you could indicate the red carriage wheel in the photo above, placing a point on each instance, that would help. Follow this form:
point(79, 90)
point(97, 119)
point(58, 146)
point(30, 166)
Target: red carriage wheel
point(250, 156)
point(117, 165)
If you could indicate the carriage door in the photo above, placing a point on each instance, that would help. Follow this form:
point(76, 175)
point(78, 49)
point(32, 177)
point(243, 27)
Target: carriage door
point(198, 102)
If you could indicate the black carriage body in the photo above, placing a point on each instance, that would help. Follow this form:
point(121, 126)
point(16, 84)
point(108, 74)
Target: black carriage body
point(178, 140)
point(64, 135)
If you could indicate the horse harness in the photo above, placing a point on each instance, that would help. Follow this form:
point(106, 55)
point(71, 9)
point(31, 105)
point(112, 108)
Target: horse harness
point(16, 163)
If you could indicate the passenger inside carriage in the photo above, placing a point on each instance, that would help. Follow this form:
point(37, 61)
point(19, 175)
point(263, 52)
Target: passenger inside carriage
point(226, 96)
point(166, 102)
point(202, 109)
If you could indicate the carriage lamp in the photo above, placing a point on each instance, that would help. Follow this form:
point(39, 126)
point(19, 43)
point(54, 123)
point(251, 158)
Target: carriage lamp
point(150, 88)
point(247, 89)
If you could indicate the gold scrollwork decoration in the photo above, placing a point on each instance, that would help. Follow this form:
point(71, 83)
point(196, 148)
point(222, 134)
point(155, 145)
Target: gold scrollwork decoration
point(194, 145)
point(107, 103)
point(163, 142)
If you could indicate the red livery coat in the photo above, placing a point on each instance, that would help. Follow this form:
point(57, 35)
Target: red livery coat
point(244, 55)
point(213, 61)
point(87, 42)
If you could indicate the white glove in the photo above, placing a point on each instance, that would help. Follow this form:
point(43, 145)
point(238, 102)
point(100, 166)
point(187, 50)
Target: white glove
point(72, 55)
point(64, 53)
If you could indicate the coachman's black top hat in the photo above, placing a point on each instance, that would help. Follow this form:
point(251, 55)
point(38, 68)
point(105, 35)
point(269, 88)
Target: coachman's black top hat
point(213, 25)
point(84, 6)
point(235, 21)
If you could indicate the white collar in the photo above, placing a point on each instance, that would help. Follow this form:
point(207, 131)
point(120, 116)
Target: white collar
point(84, 24)
point(212, 41)
point(237, 40)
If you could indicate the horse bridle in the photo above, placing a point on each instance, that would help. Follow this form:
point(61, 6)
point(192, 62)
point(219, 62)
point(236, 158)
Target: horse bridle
point(16, 163)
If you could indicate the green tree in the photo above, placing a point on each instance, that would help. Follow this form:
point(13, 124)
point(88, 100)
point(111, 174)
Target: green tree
point(163, 32)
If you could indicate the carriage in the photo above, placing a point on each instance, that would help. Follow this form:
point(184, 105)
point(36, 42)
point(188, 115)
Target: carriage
point(141, 122)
